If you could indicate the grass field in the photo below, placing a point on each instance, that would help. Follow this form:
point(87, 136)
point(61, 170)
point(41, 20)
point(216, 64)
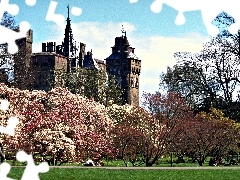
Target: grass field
point(105, 174)
point(70, 173)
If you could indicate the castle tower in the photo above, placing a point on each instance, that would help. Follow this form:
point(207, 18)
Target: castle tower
point(22, 61)
point(68, 38)
point(25, 48)
point(82, 53)
point(68, 45)
point(126, 67)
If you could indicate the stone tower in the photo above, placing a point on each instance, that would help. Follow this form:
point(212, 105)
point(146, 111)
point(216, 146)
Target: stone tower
point(126, 67)
point(22, 61)
point(68, 47)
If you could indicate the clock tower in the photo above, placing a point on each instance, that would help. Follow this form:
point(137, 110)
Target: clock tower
point(126, 67)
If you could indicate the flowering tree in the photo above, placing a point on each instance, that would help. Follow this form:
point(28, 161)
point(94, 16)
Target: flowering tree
point(144, 135)
point(58, 124)
point(130, 128)
point(209, 134)
point(171, 118)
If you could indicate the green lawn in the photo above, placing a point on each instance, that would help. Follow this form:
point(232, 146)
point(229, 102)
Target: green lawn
point(98, 174)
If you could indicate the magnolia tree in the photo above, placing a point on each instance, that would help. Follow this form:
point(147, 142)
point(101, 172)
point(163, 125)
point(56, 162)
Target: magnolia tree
point(130, 128)
point(57, 126)
point(209, 134)
point(171, 115)
point(142, 136)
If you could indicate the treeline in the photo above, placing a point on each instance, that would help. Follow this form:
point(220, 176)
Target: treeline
point(61, 127)
point(210, 78)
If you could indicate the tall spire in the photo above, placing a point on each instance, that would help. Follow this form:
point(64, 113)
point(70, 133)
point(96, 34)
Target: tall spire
point(68, 38)
point(68, 11)
point(123, 31)
point(68, 17)
point(69, 48)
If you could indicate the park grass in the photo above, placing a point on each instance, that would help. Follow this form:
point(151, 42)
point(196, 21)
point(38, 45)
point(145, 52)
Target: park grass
point(119, 163)
point(105, 174)
point(163, 162)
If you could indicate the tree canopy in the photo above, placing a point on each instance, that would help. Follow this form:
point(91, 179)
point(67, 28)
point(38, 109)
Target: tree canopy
point(90, 83)
point(208, 78)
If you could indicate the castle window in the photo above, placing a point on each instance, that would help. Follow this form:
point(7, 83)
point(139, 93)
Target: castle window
point(133, 82)
point(137, 82)
point(133, 70)
point(137, 70)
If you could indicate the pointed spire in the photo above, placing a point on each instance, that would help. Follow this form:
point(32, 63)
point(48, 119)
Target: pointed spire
point(68, 38)
point(123, 31)
point(68, 11)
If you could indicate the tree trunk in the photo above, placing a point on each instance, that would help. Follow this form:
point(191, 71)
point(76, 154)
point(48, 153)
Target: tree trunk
point(149, 164)
point(125, 163)
point(201, 162)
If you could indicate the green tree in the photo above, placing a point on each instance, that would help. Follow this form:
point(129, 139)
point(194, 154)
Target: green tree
point(209, 78)
point(113, 91)
point(90, 83)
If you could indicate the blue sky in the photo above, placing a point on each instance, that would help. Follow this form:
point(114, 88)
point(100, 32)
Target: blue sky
point(154, 35)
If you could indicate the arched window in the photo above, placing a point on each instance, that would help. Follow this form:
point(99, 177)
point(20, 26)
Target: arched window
point(137, 84)
point(132, 82)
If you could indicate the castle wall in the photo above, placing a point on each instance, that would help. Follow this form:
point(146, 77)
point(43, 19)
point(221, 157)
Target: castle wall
point(122, 63)
point(48, 67)
point(22, 62)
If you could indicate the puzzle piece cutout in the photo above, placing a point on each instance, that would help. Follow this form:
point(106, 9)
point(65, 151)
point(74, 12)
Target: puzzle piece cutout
point(209, 9)
point(30, 2)
point(4, 170)
point(12, 122)
point(10, 128)
point(133, 1)
point(4, 105)
point(59, 18)
point(76, 11)
point(5, 167)
point(10, 8)
point(51, 16)
point(7, 35)
point(31, 171)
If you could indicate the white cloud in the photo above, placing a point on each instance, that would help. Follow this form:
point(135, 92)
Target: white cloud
point(156, 52)
point(133, 1)
point(99, 36)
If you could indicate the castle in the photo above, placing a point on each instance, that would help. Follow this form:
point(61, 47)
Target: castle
point(122, 63)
